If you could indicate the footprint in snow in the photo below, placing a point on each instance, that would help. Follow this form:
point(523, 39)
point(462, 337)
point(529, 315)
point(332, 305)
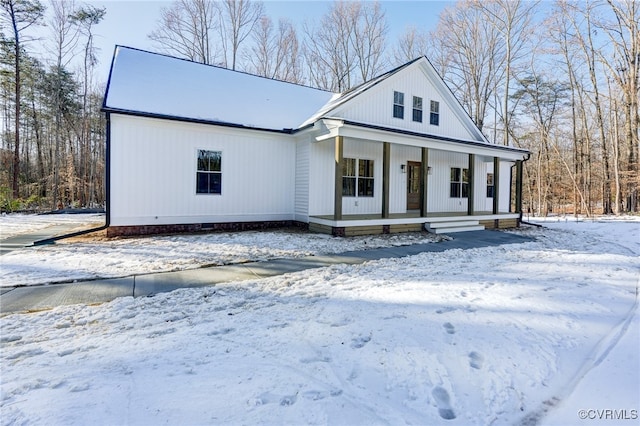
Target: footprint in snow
point(476, 360)
point(316, 395)
point(360, 341)
point(449, 328)
point(269, 398)
point(442, 399)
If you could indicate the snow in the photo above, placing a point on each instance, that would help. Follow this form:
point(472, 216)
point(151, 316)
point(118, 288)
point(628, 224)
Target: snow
point(15, 224)
point(70, 260)
point(525, 333)
point(150, 83)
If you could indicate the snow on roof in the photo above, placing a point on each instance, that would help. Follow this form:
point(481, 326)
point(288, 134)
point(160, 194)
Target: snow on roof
point(155, 84)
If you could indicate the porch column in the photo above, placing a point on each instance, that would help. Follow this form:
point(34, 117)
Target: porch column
point(424, 173)
point(519, 187)
point(386, 167)
point(337, 196)
point(496, 185)
point(470, 195)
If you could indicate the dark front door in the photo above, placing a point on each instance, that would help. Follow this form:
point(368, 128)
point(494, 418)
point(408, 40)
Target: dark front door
point(413, 185)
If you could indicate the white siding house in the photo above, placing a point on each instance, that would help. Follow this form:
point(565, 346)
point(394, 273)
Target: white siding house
point(194, 147)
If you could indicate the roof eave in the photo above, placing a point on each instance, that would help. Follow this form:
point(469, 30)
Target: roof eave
point(112, 110)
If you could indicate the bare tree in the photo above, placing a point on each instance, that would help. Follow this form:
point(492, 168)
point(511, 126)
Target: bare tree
point(513, 21)
point(411, 45)
point(347, 46)
point(276, 52)
point(369, 40)
point(329, 52)
point(237, 20)
point(623, 32)
point(86, 18)
point(64, 35)
point(187, 29)
point(476, 52)
point(19, 15)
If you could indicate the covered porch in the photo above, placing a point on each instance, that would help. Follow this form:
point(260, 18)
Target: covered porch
point(418, 182)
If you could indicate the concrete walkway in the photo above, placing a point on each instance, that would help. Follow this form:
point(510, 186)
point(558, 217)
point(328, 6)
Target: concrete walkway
point(33, 298)
point(25, 240)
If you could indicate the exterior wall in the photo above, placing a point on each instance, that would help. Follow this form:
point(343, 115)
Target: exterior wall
point(375, 106)
point(440, 180)
point(365, 150)
point(505, 187)
point(153, 173)
point(321, 178)
point(303, 152)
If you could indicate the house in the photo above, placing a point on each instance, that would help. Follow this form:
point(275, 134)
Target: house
point(194, 147)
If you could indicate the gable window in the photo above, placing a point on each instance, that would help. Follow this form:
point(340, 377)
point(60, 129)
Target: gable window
point(357, 178)
point(398, 104)
point(490, 185)
point(459, 187)
point(434, 117)
point(417, 109)
point(209, 174)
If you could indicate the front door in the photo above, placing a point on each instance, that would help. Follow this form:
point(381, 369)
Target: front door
point(413, 185)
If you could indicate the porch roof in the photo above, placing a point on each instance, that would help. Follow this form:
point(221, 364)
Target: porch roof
point(340, 127)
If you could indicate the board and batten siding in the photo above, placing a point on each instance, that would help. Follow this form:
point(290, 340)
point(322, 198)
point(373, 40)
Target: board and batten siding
point(441, 163)
point(504, 203)
point(154, 164)
point(375, 106)
point(322, 172)
point(303, 152)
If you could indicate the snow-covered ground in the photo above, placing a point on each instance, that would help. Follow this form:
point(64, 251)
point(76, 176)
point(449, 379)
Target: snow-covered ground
point(497, 335)
point(15, 224)
point(91, 258)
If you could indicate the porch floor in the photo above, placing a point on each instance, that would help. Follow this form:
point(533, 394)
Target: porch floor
point(412, 214)
point(411, 221)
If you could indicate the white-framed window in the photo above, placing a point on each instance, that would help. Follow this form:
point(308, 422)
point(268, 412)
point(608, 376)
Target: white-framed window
point(490, 185)
point(434, 116)
point(459, 186)
point(398, 104)
point(357, 177)
point(209, 172)
point(417, 109)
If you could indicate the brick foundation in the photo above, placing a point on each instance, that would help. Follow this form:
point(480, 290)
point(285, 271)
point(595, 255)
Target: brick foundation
point(135, 230)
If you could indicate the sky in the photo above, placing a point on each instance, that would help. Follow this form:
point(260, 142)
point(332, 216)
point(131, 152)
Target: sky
point(129, 22)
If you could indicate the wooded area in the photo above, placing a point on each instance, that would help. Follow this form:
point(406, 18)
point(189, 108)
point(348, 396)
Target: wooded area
point(560, 79)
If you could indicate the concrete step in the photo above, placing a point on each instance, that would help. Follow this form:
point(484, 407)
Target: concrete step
point(452, 229)
point(449, 224)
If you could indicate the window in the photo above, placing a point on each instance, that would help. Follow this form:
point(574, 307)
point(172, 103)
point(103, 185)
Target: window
point(459, 187)
point(490, 185)
point(349, 177)
point(365, 178)
point(209, 174)
point(417, 109)
point(398, 104)
point(357, 178)
point(434, 117)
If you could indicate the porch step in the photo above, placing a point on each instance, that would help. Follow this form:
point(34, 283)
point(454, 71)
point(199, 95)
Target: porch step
point(453, 226)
